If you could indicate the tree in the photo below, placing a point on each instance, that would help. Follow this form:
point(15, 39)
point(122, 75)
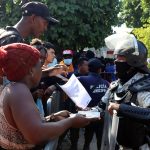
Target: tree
point(143, 34)
point(10, 11)
point(82, 23)
point(145, 4)
point(135, 13)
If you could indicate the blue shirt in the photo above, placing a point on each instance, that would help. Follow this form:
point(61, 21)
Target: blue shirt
point(95, 86)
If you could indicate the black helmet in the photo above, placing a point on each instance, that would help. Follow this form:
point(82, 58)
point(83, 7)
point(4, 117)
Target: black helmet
point(133, 59)
point(127, 45)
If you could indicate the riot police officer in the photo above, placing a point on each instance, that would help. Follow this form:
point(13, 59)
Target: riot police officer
point(132, 70)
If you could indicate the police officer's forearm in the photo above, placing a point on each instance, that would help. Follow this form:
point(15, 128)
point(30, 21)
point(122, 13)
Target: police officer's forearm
point(139, 114)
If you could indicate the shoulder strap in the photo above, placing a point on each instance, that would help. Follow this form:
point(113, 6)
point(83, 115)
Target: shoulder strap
point(142, 84)
point(9, 35)
point(8, 31)
point(2, 30)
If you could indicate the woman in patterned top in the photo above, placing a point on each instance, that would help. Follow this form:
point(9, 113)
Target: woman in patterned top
point(21, 126)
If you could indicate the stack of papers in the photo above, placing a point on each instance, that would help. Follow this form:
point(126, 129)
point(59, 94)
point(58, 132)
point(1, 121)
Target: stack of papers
point(90, 114)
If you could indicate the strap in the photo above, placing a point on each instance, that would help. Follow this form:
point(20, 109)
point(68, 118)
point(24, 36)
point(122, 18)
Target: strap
point(6, 33)
point(142, 84)
point(10, 35)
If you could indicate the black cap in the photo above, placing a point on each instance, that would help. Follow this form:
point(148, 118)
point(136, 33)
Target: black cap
point(95, 63)
point(39, 9)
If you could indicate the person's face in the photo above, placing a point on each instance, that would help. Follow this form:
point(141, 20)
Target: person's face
point(84, 67)
point(123, 70)
point(67, 59)
point(50, 55)
point(120, 58)
point(39, 26)
point(37, 73)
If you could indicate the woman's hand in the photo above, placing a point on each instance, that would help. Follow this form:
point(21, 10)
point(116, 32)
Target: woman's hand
point(58, 116)
point(63, 113)
point(113, 106)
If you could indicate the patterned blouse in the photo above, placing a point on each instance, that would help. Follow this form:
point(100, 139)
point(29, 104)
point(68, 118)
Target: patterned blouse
point(10, 137)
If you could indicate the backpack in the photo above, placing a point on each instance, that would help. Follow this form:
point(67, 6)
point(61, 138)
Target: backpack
point(9, 35)
point(130, 133)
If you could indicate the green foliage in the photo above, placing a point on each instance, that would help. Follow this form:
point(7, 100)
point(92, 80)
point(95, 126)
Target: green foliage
point(131, 13)
point(143, 34)
point(145, 4)
point(135, 13)
point(9, 12)
point(83, 23)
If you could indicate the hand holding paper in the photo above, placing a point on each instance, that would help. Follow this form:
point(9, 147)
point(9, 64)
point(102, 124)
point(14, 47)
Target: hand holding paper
point(90, 114)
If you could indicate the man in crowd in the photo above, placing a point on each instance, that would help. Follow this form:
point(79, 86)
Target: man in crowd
point(82, 67)
point(67, 60)
point(35, 20)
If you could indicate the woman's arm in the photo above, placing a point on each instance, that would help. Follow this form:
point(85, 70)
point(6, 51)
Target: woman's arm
point(28, 121)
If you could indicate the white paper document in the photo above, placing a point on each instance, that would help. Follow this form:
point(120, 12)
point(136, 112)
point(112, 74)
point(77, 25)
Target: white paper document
point(76, 92)
point(90, 114)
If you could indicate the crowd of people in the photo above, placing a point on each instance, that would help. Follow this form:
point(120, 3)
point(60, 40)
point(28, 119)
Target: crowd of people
point(30, 72)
